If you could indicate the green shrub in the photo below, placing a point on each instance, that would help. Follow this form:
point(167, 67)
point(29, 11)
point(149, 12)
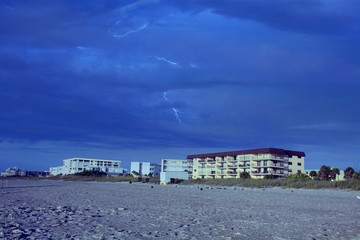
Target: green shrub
point(91, 173)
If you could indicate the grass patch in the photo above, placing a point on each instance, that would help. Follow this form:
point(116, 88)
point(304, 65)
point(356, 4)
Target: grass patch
point(88, 178)
point(286, 183)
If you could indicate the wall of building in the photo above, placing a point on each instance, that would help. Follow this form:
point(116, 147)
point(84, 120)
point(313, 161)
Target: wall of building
point(146, 168)
point(296, 164)
point(175, 168)
point(75, 165)
point(165, 177)
point(136, 167)
point(259, 163)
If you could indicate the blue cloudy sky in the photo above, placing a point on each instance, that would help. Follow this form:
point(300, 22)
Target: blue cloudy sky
point(141, 80)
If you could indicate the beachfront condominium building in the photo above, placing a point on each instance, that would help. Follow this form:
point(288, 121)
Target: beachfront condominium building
point(172, 169)
point(259, 163)
point(75, 165)
point(145, 168)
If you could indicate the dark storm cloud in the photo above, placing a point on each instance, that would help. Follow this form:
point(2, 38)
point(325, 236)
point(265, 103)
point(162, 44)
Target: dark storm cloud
point(309, 16)
point(94, 73)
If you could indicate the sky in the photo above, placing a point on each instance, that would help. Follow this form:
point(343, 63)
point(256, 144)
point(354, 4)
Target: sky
point(142, 80)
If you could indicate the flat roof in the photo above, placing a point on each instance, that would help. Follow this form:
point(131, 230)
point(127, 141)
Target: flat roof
point(92, 159)
point(250, 151)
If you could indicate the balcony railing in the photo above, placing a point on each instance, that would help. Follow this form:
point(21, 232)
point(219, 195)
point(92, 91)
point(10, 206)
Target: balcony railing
point(244, 165)
point(232, 165)
point(231, 160)
point(270, 165)
point(269, 173)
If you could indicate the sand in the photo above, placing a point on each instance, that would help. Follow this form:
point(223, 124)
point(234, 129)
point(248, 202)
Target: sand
point(49, 209)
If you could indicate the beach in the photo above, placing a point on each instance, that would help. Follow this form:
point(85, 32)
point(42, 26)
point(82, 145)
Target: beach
point(50, 209)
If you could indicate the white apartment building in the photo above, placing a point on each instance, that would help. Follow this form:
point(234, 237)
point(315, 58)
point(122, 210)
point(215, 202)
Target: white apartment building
point(259, 163)
point(145, 168)
point(175, 169)
point(75, 165)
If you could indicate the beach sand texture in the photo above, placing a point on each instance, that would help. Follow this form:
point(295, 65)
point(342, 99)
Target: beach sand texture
point(49, 209)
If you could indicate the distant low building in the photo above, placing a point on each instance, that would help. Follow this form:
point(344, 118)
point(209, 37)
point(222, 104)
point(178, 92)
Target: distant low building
point(175, 169)
point(76, 165)
point(145, 168)
point(14, 172)
point(17, 172)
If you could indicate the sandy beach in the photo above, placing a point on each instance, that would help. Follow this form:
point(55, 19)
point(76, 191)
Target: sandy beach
point(49, 209)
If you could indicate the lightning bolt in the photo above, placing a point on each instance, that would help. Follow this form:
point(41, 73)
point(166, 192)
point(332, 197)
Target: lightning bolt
point(165, 60)
point(176, 113)
point(129, 32)
point(165, 97)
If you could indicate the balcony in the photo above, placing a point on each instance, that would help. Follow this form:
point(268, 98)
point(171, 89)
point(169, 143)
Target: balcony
point(244, 165)
point(244, 160)
point(282, 166)
point(274, 173)
point(232, 165)
point(231, 160)
point(232, 173)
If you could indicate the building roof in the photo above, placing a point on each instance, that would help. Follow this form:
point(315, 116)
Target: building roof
point(91, 159)
point(250, 151)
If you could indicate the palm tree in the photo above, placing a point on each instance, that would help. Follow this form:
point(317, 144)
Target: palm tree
point(334, 172)
point(324, 173)
point(244, 175)
point(313, 174)
point(349, 172)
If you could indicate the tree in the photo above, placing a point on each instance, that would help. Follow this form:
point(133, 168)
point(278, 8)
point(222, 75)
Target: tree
point(313, 174)
point(334, 172)
point(244, 175)
point(348, 173)
point(324, 173)
point(91, 173)
point(298, 176)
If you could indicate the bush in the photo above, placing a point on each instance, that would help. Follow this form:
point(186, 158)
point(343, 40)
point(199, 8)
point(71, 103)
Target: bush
point(91, 173)
point(245, 175)
point(298, 176)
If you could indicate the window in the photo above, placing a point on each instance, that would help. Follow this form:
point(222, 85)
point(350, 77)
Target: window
point(265, 163)
point(290, 163)
point(298, 171)
point(299, 163)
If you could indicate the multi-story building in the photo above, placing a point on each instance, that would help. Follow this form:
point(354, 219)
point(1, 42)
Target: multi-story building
point(258, 163)
point(75, 165)
point(13, 172)
point(145, 168)
point(172, 169)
